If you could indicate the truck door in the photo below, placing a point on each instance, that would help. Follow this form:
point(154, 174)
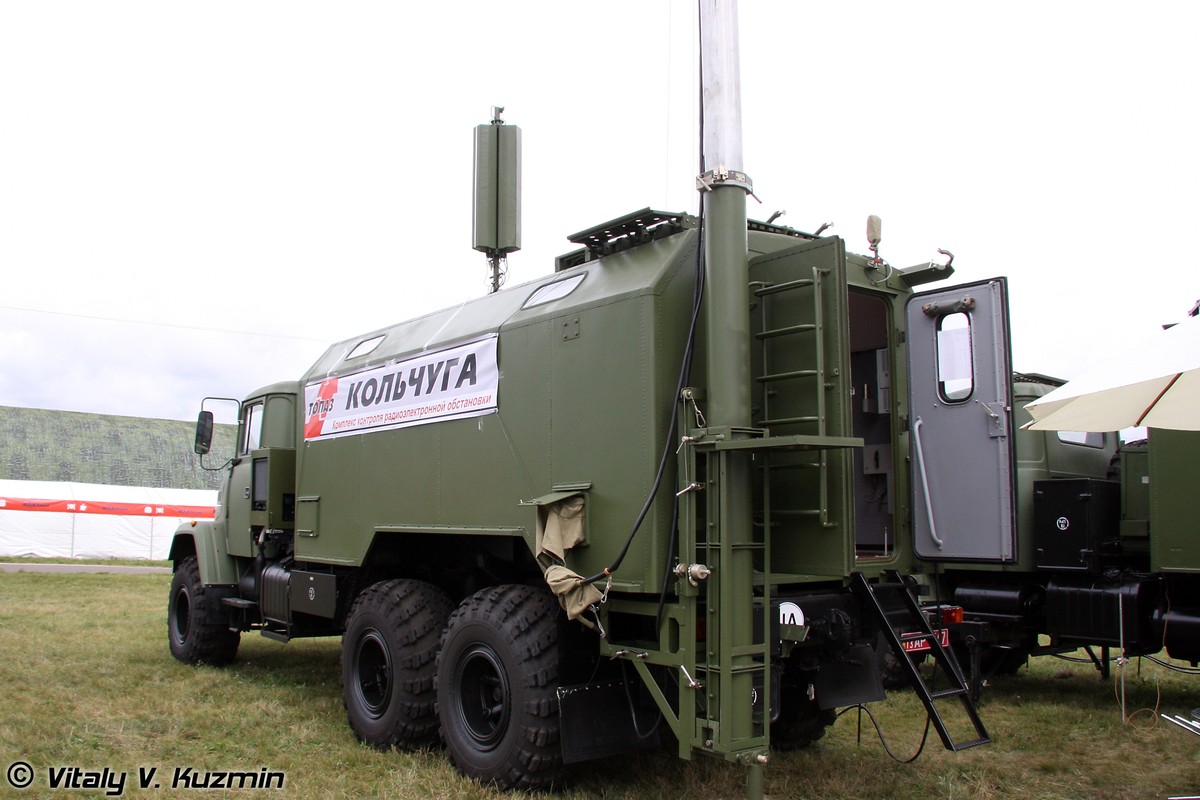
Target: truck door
point(238, 540)
point(960, 423)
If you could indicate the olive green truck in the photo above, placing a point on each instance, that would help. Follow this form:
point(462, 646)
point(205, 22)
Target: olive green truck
point(695, 486)
point(523, 523)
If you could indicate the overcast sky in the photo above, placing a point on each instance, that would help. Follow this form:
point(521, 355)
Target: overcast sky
point(197, 198)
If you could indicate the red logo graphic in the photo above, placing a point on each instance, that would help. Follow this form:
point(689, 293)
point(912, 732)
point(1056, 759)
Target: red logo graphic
point(319, 408)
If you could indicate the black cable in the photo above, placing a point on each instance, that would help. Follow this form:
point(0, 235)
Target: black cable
point(633, 709)
point(684, 372)
point(879, 732)
point(1159, 661)
point(1077, 660)
point(684, 368)
point(1174, 667)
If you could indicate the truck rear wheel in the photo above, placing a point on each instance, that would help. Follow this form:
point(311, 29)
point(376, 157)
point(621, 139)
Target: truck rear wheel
point(389, 654)
point(193, 637)
point(891, 670)
point(496, 686)
point(801, 721)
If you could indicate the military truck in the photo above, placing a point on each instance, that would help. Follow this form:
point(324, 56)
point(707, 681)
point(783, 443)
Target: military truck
point(1105, 553)
point(415, 491)
point(663, 490)
point(425, 489)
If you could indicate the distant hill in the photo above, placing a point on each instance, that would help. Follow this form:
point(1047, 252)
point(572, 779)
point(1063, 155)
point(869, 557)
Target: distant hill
point(43, 445)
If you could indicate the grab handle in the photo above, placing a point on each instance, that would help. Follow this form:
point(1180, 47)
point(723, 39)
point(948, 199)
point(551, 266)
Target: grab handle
point(925, 483)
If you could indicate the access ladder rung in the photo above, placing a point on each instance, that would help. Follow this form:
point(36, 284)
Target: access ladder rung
point(767, 423)
point(971, 743)
point(938, 695)
point(787, 330)
point(788, 376)
point(787, 286)
point(795, 512)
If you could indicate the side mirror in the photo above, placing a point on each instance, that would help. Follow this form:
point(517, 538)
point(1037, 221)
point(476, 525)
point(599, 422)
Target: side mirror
point(204, 432)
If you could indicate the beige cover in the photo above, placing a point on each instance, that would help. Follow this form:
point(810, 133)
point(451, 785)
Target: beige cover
point(560, 527)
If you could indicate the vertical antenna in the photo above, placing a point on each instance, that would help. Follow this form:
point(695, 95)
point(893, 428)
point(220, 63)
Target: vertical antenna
point(497, 209)
point(723, 187)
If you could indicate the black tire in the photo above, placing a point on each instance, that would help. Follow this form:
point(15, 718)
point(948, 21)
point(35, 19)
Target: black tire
point(389, 660)
point(801, 722)
point(193, 636)
point(496, 687)
point(891, 670)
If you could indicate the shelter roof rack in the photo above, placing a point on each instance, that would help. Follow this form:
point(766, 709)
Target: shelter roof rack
point(622, 233)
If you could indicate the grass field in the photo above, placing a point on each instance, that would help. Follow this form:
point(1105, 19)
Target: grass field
point(117, 562)
point(88, 682)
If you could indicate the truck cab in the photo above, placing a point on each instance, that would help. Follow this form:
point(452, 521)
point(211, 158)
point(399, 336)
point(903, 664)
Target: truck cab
point(261, 491)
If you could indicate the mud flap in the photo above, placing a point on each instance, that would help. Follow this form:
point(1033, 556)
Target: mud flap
point(597, 720)
point(851, 679)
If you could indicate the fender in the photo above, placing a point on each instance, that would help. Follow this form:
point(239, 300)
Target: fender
point(217, 567)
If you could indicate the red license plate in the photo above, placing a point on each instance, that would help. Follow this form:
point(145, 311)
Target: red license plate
point(915, 643)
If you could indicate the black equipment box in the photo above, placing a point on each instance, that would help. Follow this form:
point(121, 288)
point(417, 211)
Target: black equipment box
point(1075, 522)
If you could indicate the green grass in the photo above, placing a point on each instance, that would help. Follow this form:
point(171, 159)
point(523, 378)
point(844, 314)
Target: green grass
point(88, 682)
point(122, 562)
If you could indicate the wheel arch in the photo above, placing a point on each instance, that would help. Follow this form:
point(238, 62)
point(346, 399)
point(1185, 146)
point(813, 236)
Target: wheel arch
point(460, 563)
point(202, 540)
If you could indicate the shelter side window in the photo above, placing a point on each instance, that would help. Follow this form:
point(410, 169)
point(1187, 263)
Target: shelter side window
point(955, 359)
point(252, 428)
point(365, 347)
point(554, 291)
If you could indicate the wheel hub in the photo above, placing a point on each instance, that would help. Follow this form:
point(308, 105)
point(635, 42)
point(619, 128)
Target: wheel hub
point(374, 670)
point(484, 695)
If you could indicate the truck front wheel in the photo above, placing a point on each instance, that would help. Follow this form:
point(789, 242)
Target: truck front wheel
point(389, 656)
point(193, 635)
point(496, 687)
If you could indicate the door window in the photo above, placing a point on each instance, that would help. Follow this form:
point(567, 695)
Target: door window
point(252, 428)
point(1085, 438)
point(956, 368)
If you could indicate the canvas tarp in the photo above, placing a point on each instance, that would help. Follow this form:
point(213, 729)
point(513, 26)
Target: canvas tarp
point(87, 520)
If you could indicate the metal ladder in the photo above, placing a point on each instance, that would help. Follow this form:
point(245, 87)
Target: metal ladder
point(809, 330)
point(894, 605)
point(730, 660)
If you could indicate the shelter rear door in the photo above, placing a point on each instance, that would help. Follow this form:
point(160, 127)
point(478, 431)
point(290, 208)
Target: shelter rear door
point(960, 423)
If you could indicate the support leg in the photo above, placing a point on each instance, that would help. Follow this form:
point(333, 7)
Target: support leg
point(754, 782)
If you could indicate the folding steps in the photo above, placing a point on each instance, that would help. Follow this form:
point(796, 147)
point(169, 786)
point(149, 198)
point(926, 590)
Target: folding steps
point(902, 621)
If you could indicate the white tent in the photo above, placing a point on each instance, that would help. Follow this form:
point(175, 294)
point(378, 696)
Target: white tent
point(78, 520)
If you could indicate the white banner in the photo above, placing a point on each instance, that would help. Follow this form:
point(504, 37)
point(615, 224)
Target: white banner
point(454, 383)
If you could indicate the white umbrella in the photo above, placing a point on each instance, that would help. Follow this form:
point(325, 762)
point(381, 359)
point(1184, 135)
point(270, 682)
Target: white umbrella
point(1155, 384)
